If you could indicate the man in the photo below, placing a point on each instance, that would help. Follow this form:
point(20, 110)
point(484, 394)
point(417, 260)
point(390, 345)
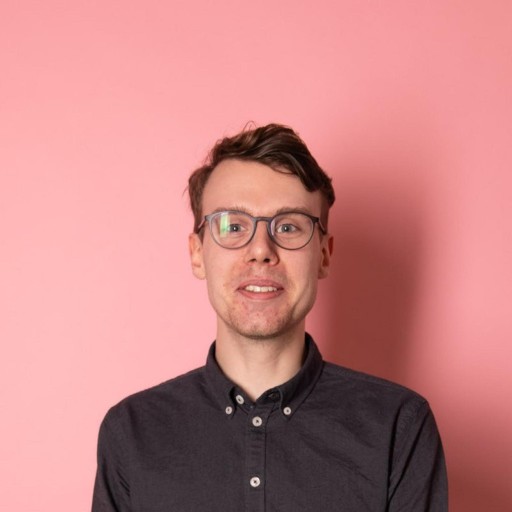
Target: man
point(266, 425)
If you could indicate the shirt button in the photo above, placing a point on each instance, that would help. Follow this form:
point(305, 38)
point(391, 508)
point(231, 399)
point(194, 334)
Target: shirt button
point(255, 481)
point(257, 421)
point(287, 411)
point(239, 399)
point(229, 409)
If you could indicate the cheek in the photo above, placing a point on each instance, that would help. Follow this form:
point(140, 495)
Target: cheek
point(304, 272)
point(219, 271)
point(310, 287)
point(213, 261)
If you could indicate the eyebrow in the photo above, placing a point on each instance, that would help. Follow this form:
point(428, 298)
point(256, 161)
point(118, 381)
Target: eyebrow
point(284, 209)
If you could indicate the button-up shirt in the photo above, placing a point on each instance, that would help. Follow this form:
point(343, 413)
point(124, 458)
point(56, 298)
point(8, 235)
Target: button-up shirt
point(330, 439)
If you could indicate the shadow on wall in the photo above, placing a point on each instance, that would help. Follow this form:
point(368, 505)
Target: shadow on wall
point(369, 298)
point(371, 303)
point(366, 310)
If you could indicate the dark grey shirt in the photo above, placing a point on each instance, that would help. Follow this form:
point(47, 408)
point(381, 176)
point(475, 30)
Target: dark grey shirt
point(330, 439)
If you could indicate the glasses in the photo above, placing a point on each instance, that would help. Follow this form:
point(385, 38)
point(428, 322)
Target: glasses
point(288, 230)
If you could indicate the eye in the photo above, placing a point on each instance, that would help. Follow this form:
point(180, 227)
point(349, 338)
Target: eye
point(292, 225)
point(233, 228)
point(285, 228)
point(289, 225)
point(232, 225)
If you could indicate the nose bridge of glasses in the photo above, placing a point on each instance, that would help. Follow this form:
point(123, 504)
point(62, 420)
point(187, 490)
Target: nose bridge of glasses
point(267, 226)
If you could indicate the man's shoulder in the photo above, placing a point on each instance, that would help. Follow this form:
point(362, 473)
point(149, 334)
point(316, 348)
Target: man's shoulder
point(369, 401)
point(172, 393)
point(358, 385)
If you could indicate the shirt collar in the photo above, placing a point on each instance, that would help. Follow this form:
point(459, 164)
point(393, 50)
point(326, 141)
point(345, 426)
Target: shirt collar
point(291, 394)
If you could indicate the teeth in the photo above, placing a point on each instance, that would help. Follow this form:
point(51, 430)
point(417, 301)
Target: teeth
point(260, 289)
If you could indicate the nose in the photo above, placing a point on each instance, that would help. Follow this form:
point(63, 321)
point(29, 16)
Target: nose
point(261, 248)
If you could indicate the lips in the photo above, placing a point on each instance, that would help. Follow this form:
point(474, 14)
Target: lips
point(260, 288)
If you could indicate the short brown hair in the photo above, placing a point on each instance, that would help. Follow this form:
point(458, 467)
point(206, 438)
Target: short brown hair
point(274, 145)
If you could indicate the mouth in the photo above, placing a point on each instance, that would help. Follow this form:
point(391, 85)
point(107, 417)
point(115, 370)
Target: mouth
point(261, 289)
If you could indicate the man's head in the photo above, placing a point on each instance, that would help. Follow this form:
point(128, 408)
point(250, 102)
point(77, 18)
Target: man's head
point(274, 145)
point(260, 239)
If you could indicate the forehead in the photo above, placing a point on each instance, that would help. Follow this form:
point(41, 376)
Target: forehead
point(257, 188)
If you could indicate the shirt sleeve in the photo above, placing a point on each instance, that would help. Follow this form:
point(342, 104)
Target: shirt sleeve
point(418, 481)
point(111, 487)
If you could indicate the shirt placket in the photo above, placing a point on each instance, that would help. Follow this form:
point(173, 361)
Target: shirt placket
point(255, 474)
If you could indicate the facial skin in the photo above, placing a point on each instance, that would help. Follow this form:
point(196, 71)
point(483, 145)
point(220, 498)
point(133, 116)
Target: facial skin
point(288, 278)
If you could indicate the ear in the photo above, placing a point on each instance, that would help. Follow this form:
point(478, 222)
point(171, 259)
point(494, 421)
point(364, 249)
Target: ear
point(325, 261)
point(195, 249)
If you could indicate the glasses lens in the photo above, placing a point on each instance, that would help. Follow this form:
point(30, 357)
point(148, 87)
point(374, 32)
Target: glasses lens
point(231, 229)
point(292, 230)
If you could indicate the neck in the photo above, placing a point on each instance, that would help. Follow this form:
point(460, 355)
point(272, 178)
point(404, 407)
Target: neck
point(258, 365)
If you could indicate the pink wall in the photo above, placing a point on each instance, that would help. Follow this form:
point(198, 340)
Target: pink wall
point(105, 107)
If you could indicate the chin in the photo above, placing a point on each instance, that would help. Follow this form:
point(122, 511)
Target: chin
point(258, 332)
